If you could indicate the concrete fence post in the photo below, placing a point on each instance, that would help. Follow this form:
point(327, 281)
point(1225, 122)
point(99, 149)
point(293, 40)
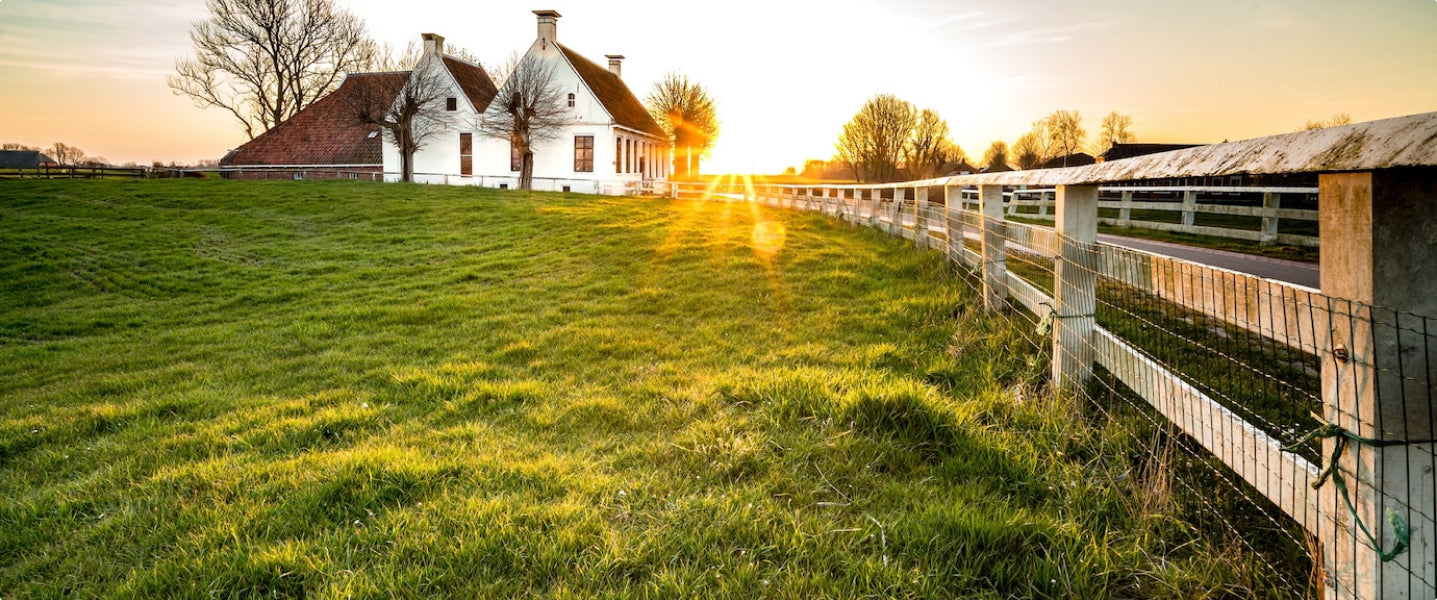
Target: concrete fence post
point(953, 211)
point(995, 248)
point(1271, 201)
point(1189, 208)
point(1377, 379)
point(895, 225)
point(1125, 211)
point(920, 217)
point(1075, 297)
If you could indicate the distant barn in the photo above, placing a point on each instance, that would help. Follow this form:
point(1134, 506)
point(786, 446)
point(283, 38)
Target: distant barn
point(25, 159)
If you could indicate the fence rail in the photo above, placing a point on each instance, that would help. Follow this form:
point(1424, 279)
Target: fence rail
point(1318, 405)
point(92, 173)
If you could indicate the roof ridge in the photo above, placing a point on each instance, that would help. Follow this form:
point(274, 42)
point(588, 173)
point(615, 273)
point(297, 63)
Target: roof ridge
point(367, 73)
point(472, 63)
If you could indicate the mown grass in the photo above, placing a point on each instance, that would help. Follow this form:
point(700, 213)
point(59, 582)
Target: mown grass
point(336, 389)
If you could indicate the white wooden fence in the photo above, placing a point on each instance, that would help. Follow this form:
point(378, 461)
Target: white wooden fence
point(1375, 514)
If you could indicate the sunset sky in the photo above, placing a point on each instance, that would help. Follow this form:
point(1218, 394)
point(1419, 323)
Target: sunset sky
point(788, 74)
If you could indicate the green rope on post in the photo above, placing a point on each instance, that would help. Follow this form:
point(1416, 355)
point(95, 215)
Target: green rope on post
point(1400, 529)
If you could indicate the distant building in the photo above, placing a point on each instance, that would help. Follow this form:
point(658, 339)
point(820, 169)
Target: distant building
point(1121, 151)
point(25, 159)
point(325, 140)
point(611, 146)
point(963, 168)
point(1076, 159)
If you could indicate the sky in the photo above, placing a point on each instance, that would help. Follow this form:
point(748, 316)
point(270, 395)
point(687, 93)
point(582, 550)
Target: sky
point(788, 74)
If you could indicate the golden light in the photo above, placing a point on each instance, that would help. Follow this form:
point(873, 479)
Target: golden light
point(768, 238)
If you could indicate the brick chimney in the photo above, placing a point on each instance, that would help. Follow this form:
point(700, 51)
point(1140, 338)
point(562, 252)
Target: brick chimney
point(433, 43)
point(548, 25)
point(616, 64)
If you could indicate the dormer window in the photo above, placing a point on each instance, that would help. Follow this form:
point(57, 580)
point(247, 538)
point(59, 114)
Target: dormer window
point(571, 101)
point(451, 104)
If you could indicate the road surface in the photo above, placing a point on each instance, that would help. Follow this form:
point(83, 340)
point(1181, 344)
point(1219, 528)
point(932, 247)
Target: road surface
point(1291, 271)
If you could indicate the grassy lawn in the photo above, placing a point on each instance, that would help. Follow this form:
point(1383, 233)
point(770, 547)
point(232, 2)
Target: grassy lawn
point(337, 389)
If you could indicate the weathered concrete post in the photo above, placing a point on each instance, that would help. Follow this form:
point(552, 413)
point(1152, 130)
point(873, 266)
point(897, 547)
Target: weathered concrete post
point(875, 201)
point(1076, 285)
point(953, 210)
point(895, 223)
point(920, 217)
point(1189, 208)
point(1271, 201)
point(1125, 212)
point(995, 248)
point(1377, 230)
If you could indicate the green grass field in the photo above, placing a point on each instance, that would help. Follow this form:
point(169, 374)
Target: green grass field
point(331, 389)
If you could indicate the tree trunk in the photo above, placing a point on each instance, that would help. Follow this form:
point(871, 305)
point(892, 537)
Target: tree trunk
point(526, 171)
point(406, 158)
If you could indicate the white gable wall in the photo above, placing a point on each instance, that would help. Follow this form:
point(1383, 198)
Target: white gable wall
point(438, 161)
point(439, 155)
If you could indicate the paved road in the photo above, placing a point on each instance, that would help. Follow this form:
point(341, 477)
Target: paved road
point(1300, 273)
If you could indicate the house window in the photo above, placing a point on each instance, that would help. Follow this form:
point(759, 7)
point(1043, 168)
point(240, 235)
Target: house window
point(618, 155)
point(516, 158)
point(451, 104)
point(571, 101)
point(584, 154)
point(466, 154)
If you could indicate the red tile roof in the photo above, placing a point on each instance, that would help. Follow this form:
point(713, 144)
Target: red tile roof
point(326, 132)
point(476, 84)
point(613, 94)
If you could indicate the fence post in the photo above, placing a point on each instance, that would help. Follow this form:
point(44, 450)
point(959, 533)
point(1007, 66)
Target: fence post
point(895, 219)
point(920, 220)
point(1044, 200)
point(1271, 201)
point(1189, 207)
point(1125, 213)
point(1377, 378)
point(995, 248)
point(1076, 284)
point(953, 210)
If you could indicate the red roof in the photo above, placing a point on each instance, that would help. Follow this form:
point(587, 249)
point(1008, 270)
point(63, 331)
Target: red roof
point(475, 83)
point(326, 132)
point(614, 95)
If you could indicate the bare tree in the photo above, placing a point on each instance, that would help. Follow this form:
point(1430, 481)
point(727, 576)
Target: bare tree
point(996, 155)
point(389, 58)
point(873, 142)
point(1065, 132)
point(928, 148)
point(14, 146)
point(1028, 150)
point(1334, 121)
point(688, 116)
point(66, 154)
point(265, 60)
point(409, 118)
point(1116, 129)
point(529, 111)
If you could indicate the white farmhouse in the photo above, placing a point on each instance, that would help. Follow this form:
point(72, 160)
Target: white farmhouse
point(611, 146)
